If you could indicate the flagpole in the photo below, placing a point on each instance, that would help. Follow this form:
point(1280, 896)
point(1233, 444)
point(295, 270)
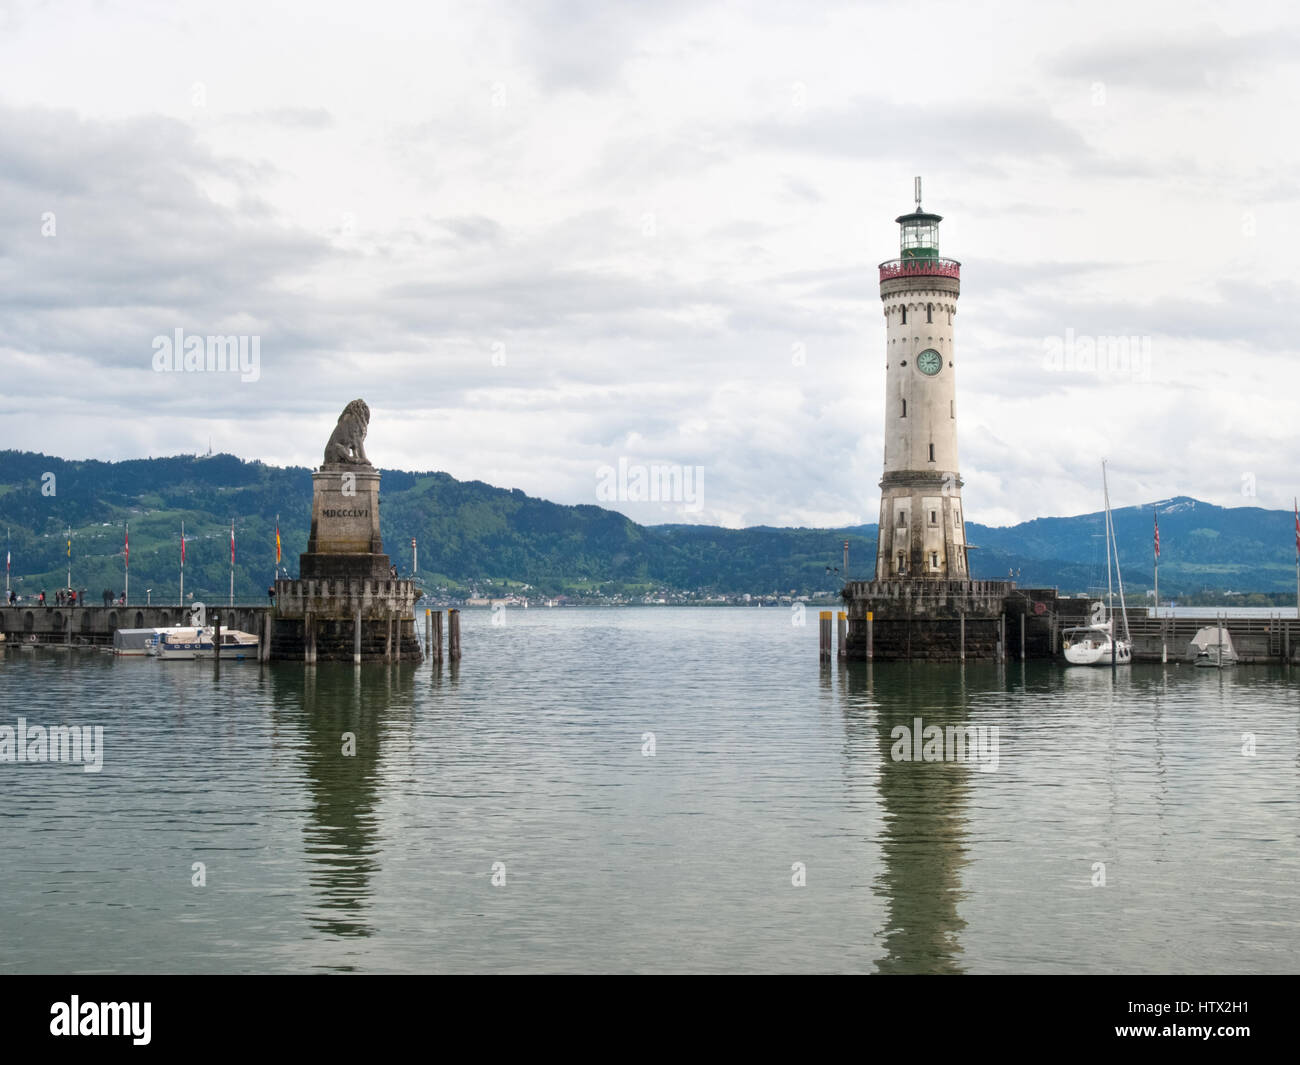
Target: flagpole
point(182, 603)
point(232, 561)
point(6, 565)
point(69, 556)
point(126, 592)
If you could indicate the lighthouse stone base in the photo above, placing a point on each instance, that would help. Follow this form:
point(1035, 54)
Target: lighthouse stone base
point(950, 621)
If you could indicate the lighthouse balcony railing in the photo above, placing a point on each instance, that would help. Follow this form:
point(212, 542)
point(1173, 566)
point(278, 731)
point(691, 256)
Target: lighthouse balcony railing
point(920, 267)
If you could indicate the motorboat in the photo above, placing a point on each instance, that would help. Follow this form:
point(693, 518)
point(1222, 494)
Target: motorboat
point(1211, 648)
point(191, 643)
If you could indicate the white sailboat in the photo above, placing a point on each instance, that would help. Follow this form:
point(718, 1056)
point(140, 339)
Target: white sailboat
point(1096, 644)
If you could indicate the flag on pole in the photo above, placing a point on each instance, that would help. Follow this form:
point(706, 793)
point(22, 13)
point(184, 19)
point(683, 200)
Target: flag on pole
point(69, 545)
point(232, 541)
point(1157, 521)
point(127, 547)
point(182, 544)
point(277, 545)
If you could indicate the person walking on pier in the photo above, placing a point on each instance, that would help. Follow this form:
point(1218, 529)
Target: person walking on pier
point(41, 600)
point(270, 595)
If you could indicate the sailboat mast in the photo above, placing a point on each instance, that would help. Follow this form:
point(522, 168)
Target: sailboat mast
point(1119, 575)
point(1110, 591)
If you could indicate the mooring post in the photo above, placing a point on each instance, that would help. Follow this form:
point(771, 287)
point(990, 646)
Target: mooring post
point(824, 634)
point(1022, 637)
point(871, 643)
point(961, 645)
point(356, 638)
point(842, 624)
point(436, 616)
point(216, 640)
point(264, 645)
point(1002, 637)
point(453, 634)
point(1286, 642)
point(309, 639)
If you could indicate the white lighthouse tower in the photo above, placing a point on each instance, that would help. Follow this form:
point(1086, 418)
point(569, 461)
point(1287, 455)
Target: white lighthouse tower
point(922, 534)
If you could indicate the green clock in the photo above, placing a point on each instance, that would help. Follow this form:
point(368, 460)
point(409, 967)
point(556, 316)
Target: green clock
point(929, 362)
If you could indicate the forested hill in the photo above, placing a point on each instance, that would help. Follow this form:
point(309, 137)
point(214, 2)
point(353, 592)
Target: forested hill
point(473, 536)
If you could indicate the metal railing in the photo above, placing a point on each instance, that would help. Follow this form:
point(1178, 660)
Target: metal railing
point(920, 268)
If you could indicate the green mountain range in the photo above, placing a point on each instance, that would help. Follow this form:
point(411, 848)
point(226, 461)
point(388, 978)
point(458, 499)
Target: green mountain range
point(474, 537)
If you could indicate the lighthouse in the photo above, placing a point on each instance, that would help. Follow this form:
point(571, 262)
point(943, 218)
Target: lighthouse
point(922, 532)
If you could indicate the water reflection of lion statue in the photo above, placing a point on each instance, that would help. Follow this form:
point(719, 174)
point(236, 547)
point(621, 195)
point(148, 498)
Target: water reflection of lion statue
point(345, 445)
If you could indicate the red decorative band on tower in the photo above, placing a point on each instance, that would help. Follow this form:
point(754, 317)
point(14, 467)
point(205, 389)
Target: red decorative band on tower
point(919, 268)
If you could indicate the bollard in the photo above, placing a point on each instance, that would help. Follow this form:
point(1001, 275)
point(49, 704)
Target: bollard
point(824, 619)
point(453, 634)
point(842, 624)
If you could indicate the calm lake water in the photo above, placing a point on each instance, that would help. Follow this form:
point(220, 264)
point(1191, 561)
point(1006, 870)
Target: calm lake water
point(533, 753)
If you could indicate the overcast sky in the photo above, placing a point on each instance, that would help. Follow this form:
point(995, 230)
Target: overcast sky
point(541, 237)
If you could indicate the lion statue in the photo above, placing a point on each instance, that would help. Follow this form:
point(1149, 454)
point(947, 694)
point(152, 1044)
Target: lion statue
point(345, 445)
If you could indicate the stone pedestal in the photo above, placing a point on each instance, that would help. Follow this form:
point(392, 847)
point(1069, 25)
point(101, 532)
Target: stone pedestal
point(346, 605)
point(345, 539)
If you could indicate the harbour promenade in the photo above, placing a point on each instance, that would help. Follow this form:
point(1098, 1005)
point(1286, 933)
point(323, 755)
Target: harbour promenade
point(95, 625)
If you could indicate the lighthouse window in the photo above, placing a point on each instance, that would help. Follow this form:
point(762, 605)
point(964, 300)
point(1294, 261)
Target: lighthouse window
point(952, 408)
point(929, 312)
point(904, 408)
point(931, 452)
point(902, 518)
point(905, 316)
point(902, 564)
point(934, 517)
point(934, 559)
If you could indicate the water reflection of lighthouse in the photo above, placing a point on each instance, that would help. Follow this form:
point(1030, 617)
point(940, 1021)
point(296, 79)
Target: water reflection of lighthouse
point(924, 822)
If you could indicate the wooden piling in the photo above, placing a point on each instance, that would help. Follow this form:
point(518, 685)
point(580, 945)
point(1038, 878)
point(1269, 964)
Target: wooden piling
point(1022, 637)
point(309, 639)
point(216, 640)
point(871, 642)
point(824, 634)
point(842, 633)
point(264, 645)
point(356, 638)
point(453, 634)
point(1002, 637)
point(436, 617)
point(961, 646)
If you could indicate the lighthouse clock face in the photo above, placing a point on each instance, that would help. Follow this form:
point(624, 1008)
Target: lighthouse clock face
point(929, 362)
